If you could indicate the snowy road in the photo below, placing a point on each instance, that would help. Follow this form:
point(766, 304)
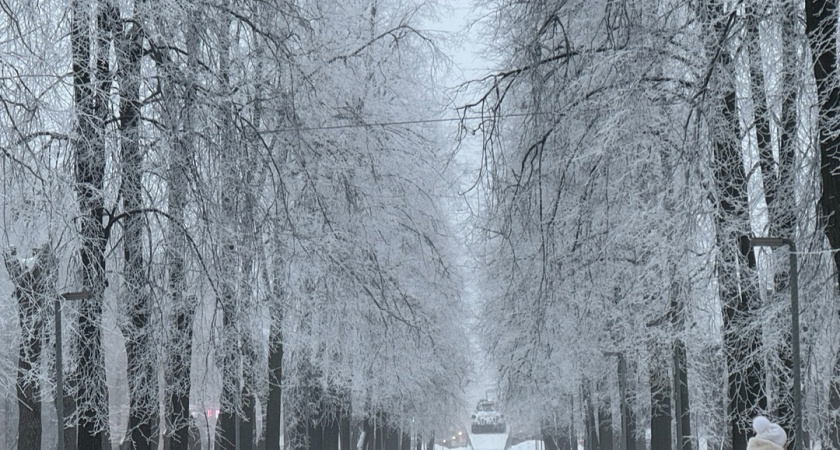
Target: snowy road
point(488, 441)
point(497, 442)
point(528, 445)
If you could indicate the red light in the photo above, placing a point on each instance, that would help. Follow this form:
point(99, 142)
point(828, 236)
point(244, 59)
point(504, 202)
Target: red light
point(209, 413)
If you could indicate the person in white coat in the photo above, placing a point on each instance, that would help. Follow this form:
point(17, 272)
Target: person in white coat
point(768, 435)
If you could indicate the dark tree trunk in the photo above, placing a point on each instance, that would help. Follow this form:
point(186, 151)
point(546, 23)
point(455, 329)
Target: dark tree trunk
point(590, 420)
point(247, 428)
point(273, 419)
point(230, 358)
point(552, 435)
point(821, 26)
point(605, 428)
point(178, 371)
point(660, 400)
point(390, 437)
point(248, 425)
point(32, 286)
point(783, 220)
point(834, 405)
point(742, 342)
point(179, 353)
point(779, 180)
point(71, 433)
point(315, 432)
point(330, 430)
point(226, 426)
point(193, 436)
point(369, 435)
point(28, 391)
point(682, 416)
point(378, 436)
point(573, 439)
point(641, 439)
point(90, 94)
point(298, 438)
point(628, 419)
point(738, 294)
point(344, 430)
point(141, 367)
point(550, 441)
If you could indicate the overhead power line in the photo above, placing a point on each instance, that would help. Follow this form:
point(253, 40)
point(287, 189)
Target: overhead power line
point(398, 122)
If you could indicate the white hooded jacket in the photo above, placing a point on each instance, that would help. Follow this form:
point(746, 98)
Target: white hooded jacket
point(757, 443)
point(768, 435)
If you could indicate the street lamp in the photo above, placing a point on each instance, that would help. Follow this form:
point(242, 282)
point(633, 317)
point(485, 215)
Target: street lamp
point(774, 242)
point(59, 364)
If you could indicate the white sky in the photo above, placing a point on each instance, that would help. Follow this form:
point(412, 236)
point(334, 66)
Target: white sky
point(455, 17)
point(462, 46)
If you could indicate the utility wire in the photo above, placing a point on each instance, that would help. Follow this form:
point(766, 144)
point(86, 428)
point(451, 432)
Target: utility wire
point(401, 122)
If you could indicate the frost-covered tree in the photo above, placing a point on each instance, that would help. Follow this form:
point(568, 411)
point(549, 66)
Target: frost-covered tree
point(227, 169)
point(621, 137)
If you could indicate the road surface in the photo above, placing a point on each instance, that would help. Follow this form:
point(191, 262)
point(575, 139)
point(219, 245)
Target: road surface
point(491, 441)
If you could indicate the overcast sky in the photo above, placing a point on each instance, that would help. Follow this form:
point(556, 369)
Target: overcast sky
point(457, 21)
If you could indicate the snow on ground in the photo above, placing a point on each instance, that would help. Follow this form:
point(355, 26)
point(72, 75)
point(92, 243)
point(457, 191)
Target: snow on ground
point(488, 441)
point(527, 445)
point(496, 442)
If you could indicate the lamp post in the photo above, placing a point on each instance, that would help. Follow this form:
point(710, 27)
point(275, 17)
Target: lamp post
point(774, 242)
point(59, 364)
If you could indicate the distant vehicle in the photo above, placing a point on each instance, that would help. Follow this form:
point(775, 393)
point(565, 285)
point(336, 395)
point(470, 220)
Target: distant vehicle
point(455, 438)
point(487, 419)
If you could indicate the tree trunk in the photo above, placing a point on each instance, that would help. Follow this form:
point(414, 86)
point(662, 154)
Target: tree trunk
point(248, 422)
point(605, 428)
point(90, 97)
point(273, 411)
point(681, 413)
point(573, 439)
point(71, 433)
point(330, 430)
point(227, 427)
point(390, 437)
point(821, 27)
point(344, 430)
point(590, 420)
point(369, 435)
point(194, 440)
point(141, 367)
point(628, 420)
point(32, 286)
point(405, 444)
point(178, 373)
point(778, 177)
point(378, 436)
point(738, 294)
point(783, 217)
point(549, 442)
point(315, 431)
point(182, 315)
point(660, 401)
